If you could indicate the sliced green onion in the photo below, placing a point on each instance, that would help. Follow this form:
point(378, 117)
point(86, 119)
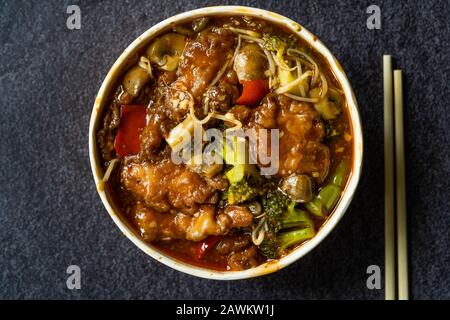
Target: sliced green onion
point(339, 176)
point(316, 207)
point(299, 218)
point(329, 195)
point(294, 237)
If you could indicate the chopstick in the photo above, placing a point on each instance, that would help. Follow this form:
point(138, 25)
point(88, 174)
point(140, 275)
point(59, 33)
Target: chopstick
point(395, 200)
point(402, 246)
point(390, 283)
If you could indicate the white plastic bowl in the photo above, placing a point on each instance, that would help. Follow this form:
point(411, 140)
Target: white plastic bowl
point(268, 267)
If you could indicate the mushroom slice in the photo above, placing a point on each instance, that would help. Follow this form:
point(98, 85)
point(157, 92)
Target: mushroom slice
point(135, 79)
point(299, 187)
point(166, 51)
point(250, 63)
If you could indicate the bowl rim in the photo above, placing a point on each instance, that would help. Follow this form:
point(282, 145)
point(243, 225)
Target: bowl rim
point(332, 220)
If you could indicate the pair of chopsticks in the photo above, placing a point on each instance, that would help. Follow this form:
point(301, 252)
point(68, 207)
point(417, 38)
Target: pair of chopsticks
point(395, 200)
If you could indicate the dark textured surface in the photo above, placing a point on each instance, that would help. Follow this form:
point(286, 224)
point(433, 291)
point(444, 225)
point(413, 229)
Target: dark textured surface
point(51, 215)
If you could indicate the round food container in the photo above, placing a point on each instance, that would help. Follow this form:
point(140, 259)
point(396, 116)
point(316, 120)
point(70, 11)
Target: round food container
point(272, 265)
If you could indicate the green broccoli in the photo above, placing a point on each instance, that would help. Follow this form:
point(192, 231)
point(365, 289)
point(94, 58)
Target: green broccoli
point(274, 246)
point(287, 228)
point(282, 214)
point(279, 45)
point(241, 191)
point(269, 247)
point(275, 204)
point(249, 187)
point(246, 182)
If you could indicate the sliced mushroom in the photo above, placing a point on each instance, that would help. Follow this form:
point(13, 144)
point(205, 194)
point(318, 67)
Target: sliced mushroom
point(299, 187)
point(255, 208)
point(166, 51)
point(135, 79)
point(250, 63)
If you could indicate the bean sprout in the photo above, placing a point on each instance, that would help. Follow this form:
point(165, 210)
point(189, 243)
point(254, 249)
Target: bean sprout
point(145, 64)
point(294, 83)
point(303, 99)
point(108, 172)
point(258, 232)
point(254, 39)
point(249, 33)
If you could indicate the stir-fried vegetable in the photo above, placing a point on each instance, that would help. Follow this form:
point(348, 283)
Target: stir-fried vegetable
point(289, 85)
point(250, 63)
point(132, 122)
point(330, 106)
point(328, 196)
point(245, 181)
point(235, 150)
point(253, 92)
point(278, 45)
point(299, 187)
point(206, 245)
point(243, 190)
point(200, 24)
point(184, 31)
point(287, 77)
point(166, 51)
point(290, 238)
point(245, 184)
point(275, 205)
point(292, 227)
point(135, 79)
point(296, 218)
point(182, 131)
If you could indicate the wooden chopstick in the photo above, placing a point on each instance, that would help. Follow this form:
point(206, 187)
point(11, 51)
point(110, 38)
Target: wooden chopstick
point(402, 246)
point(390, 282)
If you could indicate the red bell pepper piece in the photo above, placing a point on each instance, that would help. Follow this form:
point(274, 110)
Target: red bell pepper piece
point(206, 245)
point(132, 122)
point(253, 92)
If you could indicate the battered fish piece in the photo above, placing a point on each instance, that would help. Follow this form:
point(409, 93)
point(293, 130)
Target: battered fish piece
point(154, 225)
point(165, 185)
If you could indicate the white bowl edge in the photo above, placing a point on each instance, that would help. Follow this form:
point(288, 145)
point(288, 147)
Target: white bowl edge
point(330, 223)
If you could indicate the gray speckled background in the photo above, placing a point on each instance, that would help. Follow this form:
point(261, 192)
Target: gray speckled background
point(51, 215)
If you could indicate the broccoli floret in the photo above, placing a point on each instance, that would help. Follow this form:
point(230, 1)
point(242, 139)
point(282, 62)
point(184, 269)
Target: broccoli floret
point(282, 213)
point(241, 191)
point(274, 246)
point(287, 227)
point(247, 189)
point(279, 45)
point(275, 204)
point(296, 218)
point(269, 247)
point(246, 182)
point(274, 43)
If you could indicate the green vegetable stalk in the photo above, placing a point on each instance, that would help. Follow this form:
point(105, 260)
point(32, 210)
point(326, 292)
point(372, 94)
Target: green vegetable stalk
point(245, 181)
point(288, 226)
point(328, 196)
